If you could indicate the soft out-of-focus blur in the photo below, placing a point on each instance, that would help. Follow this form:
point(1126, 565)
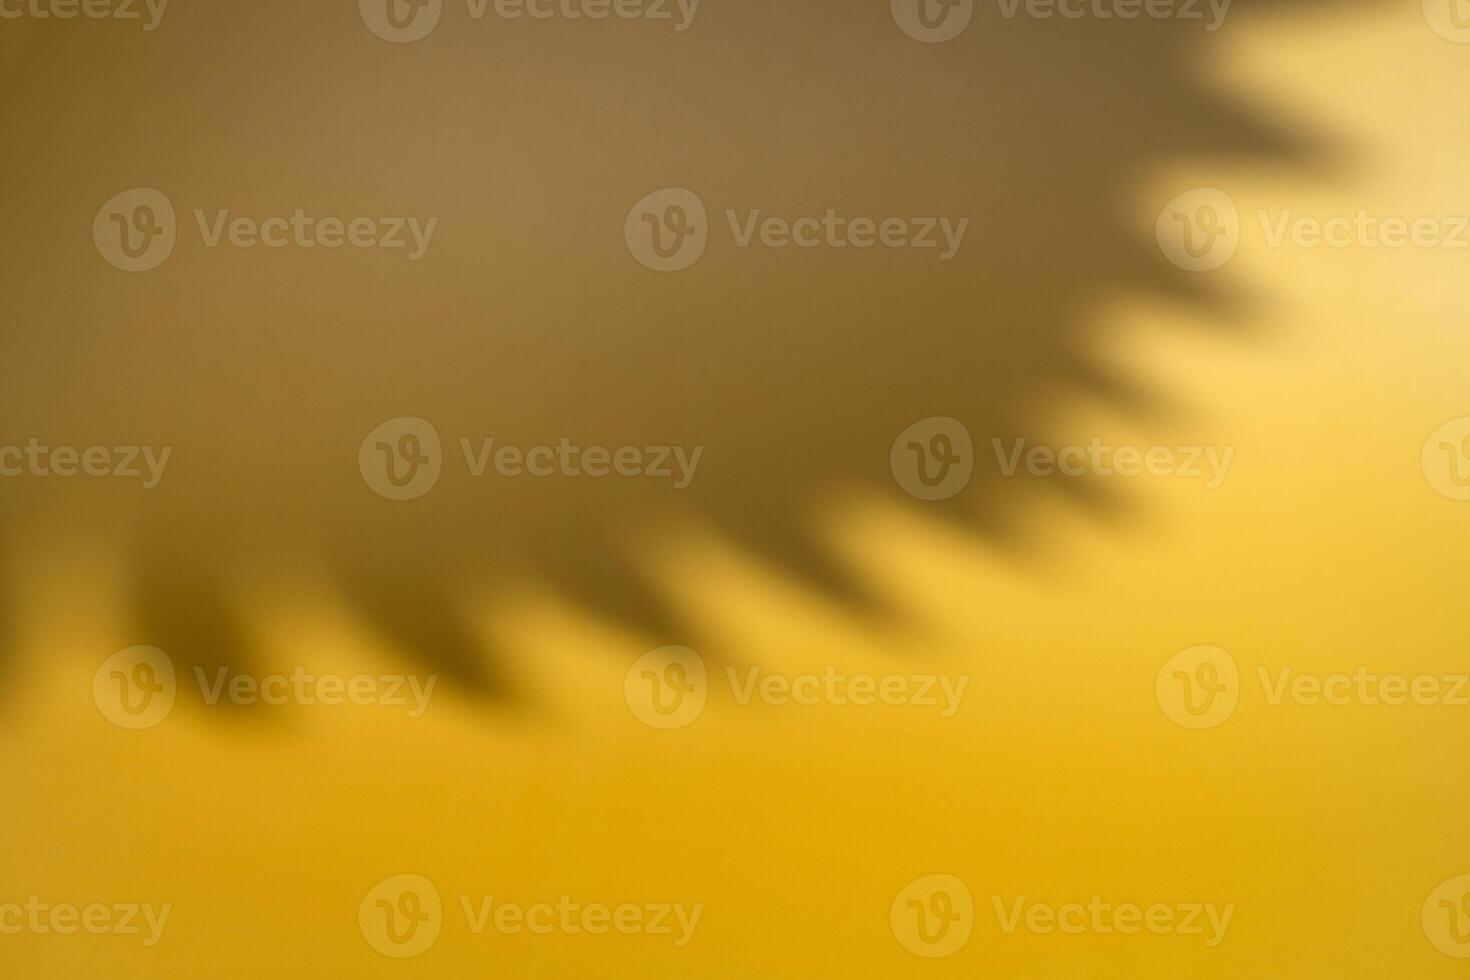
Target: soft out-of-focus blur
point(1089, 693)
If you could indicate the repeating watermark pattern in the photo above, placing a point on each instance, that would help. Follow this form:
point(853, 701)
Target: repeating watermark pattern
point(1208, 13)
point(302, 687)
point(677, 464)
point(148, 13)
point(1199, 230)
point(1446, 459)
point(933, 459)
point(403, 916)
point(937, 21)
point(136, 688)
point(672, 919)
point(941, 692)
point(1211, 464)
point(1201, 687)
point(406, 21)
point(136, 231)
point(933, 916)
point(932, 21)
point(1450, 19)
point(1446, 917)
point(141, 919)
point(668, 688)
point(668, 230)
point(1204, 920)
point(1363, 229)
point(145, 463)
point(401, 21)
point(1363, 686)
point(403, 458)
point(943, 235)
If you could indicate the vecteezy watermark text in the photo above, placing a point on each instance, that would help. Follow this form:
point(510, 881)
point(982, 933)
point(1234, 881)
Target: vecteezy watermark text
point(136, 688)
point(149, 12)
point(403, 458)
point(1202, 919)
point(403, 915)
point(934, 916)
point(937, 21)
point(934, 459)
point(669, 687)
point(136, 231)
point(1200, 230)
point(567, 458)
point(120, 462)
point(1211, 13)
point(1208, 463)
point(95, 918)
point(302, 687)
point(668, 231)
point(406, 21)
point(834, 687)
point(1201, 688)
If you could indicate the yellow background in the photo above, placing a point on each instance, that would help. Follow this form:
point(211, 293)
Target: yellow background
point(1059, 779)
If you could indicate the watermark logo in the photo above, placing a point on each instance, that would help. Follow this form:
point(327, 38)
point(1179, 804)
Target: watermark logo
point(933, 459)
point(1446, 917)
point(942, 234)
point(1363, 687)
point(568, 459)
point(1203, 919)
point(943, 692)
point(1199, 230)
point(401, 21)
point(401, 459)
point(932, 21)
point(135, 688)
point(933, 916)
point(39, 918)
point(1210, 464)
point(150, 12)
point(145, 463)
point(668, 230)
point(401, 916)
point(1362, 229)
point(300, 687)
point(1210, 13)
point(667, 688)
point(1450, 19)
point(404, 21)
point(674, 919)
point(135, 230)
point(1199, 688)
point(1446, 459)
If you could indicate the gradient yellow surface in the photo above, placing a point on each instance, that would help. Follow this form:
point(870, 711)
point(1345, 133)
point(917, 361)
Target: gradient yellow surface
point(1061, 776)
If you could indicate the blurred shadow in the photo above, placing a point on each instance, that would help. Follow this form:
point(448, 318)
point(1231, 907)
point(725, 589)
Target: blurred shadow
point(529, 321)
